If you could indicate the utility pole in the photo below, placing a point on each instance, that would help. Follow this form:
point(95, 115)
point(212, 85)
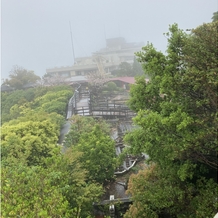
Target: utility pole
point(72, 44)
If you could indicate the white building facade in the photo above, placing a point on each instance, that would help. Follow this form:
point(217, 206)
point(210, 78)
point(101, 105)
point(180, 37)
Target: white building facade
point(107, 59)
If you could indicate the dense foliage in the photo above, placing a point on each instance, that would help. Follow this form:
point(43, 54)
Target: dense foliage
point(38, 180)
point(31, 140)
point(110, 87)
point(177, 119)
point(92, 138)
point(45, 99)
point(127, 69)
point(215, 16)
point(19, 77)
point(57, 189)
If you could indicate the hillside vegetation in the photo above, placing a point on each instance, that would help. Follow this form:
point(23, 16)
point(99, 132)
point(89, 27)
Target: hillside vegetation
point(38, 180)
point(177, 116)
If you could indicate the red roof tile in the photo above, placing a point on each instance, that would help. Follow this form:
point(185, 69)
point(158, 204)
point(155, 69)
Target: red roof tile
point(130, 80)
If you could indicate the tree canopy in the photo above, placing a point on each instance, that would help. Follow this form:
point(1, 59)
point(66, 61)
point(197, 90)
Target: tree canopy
point(215, 16)
point(20, 77)
point(81, 125)
point(177, 120)
point(99, 157)
point(57, 189)
point(127, 69)
point(38, 180)
point(29, 140)
point(45, 99)
point(92, 138)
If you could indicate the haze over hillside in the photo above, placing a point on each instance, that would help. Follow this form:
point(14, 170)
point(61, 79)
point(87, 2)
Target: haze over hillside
point(36, 34)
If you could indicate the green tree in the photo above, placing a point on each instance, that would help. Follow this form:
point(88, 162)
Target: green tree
point(28, 192)
point(53, 101)
point(127, 69)
point(81, 125)
point(110, 87)
point(20, 77)
point(68, 175)
point(98, 150)
point(50, 99)
point(139, 94)
point(99, 157)
point(18, 98)
point(137, 68)
point(215, 16)
point(178, 123)
point(30, 141)
point(40, 116)
point(58, 189)
point(91, 138)
point(37, 179)
point(157, 194)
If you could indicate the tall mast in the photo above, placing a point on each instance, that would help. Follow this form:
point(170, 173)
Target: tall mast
point(72, 44)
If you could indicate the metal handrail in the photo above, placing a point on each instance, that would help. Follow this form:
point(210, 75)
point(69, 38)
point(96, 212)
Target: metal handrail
point(72, 102)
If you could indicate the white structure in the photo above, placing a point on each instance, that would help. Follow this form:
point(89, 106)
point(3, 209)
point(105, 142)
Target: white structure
point(116, 52)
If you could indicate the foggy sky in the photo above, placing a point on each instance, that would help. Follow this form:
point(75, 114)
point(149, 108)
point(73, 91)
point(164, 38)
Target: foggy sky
point(35, 34)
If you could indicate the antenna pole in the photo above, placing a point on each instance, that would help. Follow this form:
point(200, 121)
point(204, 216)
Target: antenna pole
point(72, 44)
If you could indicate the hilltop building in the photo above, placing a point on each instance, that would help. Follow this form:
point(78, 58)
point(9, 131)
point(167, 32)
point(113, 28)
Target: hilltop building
point(107, 59)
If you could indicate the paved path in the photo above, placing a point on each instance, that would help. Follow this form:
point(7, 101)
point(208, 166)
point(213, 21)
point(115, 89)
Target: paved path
point(83, 103)
point(64, 130)
point(83, 106)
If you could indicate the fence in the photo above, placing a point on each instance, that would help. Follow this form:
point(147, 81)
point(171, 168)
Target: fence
point(72, 102)
point(110, 109)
